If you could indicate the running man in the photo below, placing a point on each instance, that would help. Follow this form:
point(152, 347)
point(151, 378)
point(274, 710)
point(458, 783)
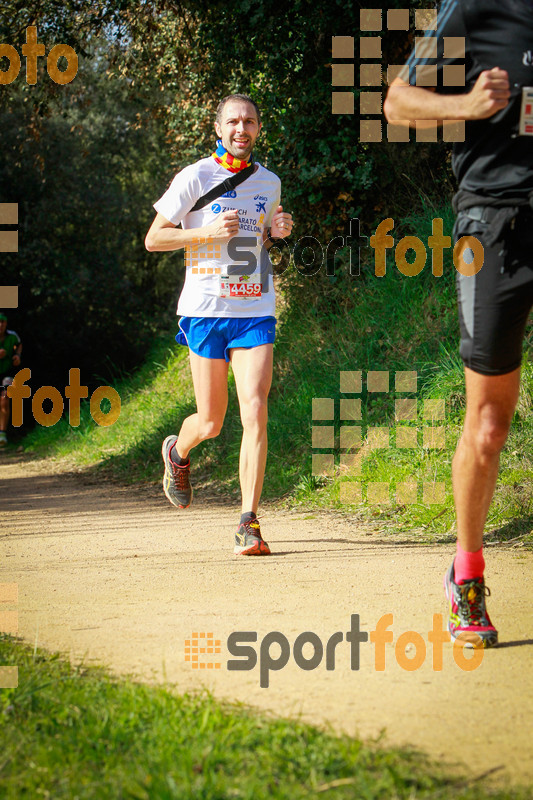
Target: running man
point(10, 351)
point(494, 168)
point(227, 307)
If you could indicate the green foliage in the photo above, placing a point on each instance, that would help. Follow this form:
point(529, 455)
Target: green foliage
point(86, 160)
point(84, 173)
point(154, 400)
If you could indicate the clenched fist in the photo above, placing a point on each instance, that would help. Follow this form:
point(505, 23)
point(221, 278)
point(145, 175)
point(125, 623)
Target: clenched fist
point(281, 224)
point(489, 95)
point(224, 227)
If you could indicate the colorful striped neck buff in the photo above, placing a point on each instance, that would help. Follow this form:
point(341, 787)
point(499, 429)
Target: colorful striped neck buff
point(228, 161)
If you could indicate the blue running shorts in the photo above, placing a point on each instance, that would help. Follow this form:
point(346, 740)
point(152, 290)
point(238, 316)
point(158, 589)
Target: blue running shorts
point(214, 337)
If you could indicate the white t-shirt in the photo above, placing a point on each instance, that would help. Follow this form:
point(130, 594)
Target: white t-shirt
point(256, 200)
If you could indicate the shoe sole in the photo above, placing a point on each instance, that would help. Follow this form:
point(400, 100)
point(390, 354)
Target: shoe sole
point(169, 498)
point(256, 549)
point(469, 638)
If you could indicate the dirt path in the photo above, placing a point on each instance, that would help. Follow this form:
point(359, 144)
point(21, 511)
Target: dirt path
point(119, 577)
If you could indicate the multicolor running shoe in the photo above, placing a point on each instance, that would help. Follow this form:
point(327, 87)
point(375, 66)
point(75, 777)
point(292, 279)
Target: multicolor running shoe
point(176, 482)
point(248, 540)
point(469, 621)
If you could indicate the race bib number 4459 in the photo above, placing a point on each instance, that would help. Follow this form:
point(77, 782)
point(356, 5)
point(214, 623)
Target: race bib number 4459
point(233, 286)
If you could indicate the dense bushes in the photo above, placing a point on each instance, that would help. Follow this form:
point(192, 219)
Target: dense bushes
point(86, 160)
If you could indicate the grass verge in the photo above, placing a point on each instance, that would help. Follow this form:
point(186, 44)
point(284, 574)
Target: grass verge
point(80, 733)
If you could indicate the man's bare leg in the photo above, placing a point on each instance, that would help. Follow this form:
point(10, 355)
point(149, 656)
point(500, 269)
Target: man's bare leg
point(210, 380)
point(490, 405)
point(252, 368)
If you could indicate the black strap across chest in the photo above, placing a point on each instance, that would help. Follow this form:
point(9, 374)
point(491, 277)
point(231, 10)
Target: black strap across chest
point(226, 186)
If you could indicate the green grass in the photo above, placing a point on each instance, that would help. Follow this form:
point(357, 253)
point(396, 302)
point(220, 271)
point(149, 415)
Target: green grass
point(79, 733)
point(511, 514)
point(153, 401)
point(395, 323)
point(328, 324)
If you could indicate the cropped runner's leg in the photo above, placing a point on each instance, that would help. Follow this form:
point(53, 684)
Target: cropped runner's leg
point(490, 405)
point(252, 368)
point(4, 409)
point(493, 309)
point(210, 380)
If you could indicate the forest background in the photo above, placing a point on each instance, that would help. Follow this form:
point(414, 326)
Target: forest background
point(86, 160)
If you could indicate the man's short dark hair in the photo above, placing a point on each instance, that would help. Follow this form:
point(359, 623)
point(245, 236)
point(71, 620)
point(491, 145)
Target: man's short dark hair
point(243, 98)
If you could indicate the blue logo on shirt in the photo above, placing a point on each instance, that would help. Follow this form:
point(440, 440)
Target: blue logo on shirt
point(216, 208)
point(231, 194)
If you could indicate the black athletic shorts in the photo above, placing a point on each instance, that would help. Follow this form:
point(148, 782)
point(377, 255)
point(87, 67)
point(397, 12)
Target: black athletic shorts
point(494, 304)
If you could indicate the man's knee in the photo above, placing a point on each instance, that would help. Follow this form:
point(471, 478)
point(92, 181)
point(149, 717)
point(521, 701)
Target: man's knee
point(492, 436)
point(210, 428)
point(254, 412)
point(489, 432)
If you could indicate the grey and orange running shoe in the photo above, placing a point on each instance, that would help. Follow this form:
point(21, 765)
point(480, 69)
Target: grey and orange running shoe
point(468, 621)
point(248, 540)
point(176, 483)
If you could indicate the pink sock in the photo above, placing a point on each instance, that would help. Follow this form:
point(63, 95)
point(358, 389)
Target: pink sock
point(468, 565)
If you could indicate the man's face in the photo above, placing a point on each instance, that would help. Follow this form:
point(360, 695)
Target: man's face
point(3, 326)
point(238, 128)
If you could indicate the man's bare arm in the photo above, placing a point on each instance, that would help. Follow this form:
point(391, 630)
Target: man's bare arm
point(164, 236)
point(413, 103)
